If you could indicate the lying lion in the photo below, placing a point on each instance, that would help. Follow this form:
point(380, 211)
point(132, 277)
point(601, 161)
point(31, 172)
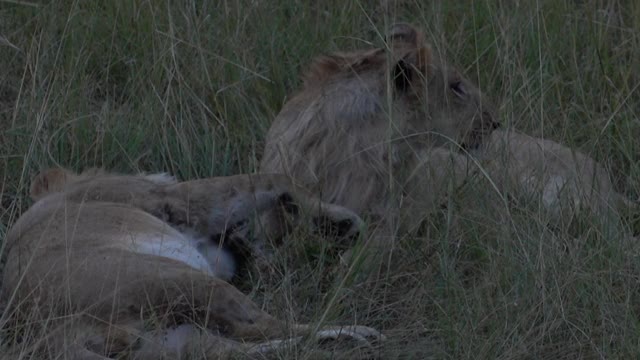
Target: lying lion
point(98, 257)
point(361, 130)
point(381, 132)
point(564, 180)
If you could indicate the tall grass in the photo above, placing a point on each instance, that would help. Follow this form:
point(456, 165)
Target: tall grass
point(190, 87)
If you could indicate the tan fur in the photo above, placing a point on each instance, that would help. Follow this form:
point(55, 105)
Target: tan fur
point(565, 180)
point(209, 206)
point(358, 130)
point(347, 129)
point(72, 261)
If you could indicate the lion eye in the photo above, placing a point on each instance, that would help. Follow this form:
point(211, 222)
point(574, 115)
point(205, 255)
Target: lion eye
point(457, 88)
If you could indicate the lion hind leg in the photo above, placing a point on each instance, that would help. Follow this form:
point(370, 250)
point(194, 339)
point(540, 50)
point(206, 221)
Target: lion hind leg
point(363, 335)
point(187, 341)
point(359, 333)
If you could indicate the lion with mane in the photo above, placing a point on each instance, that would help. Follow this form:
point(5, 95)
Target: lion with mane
point(388, 132)
point(370, 128)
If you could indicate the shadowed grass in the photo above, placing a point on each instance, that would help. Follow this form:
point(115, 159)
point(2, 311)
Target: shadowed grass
point(190, 87)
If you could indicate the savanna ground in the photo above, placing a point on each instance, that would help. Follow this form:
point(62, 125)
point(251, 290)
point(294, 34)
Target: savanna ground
point(190, 87)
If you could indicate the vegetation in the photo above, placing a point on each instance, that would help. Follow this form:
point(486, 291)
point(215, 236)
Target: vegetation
point(190, 87)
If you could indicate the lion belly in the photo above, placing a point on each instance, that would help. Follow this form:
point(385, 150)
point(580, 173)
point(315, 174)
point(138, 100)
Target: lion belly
point(198, 254)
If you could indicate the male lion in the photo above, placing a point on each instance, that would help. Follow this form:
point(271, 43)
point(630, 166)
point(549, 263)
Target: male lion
point(366, 132)
point(361, 131)
point(99, 257)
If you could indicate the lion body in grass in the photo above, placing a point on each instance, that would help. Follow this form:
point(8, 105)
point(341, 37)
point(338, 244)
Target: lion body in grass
point(100, 255)
point(389, 132)
point(370, 127)
point(564, 180)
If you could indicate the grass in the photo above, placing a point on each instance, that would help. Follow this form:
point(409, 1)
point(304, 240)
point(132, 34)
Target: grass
point(190, 87)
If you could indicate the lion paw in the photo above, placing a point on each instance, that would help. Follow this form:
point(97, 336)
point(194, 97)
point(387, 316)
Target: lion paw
point(359, 333)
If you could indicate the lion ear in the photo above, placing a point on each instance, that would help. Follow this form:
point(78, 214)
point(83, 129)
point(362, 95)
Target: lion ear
point(49, 181)
point(322, 68)
point(404, 35)
point(327, 66)
point(411, 51)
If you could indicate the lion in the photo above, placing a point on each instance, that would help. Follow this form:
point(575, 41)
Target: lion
point(390, 132)
point(565, 180)
point(99, 255)
point(216, 208)
point(369, 126)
